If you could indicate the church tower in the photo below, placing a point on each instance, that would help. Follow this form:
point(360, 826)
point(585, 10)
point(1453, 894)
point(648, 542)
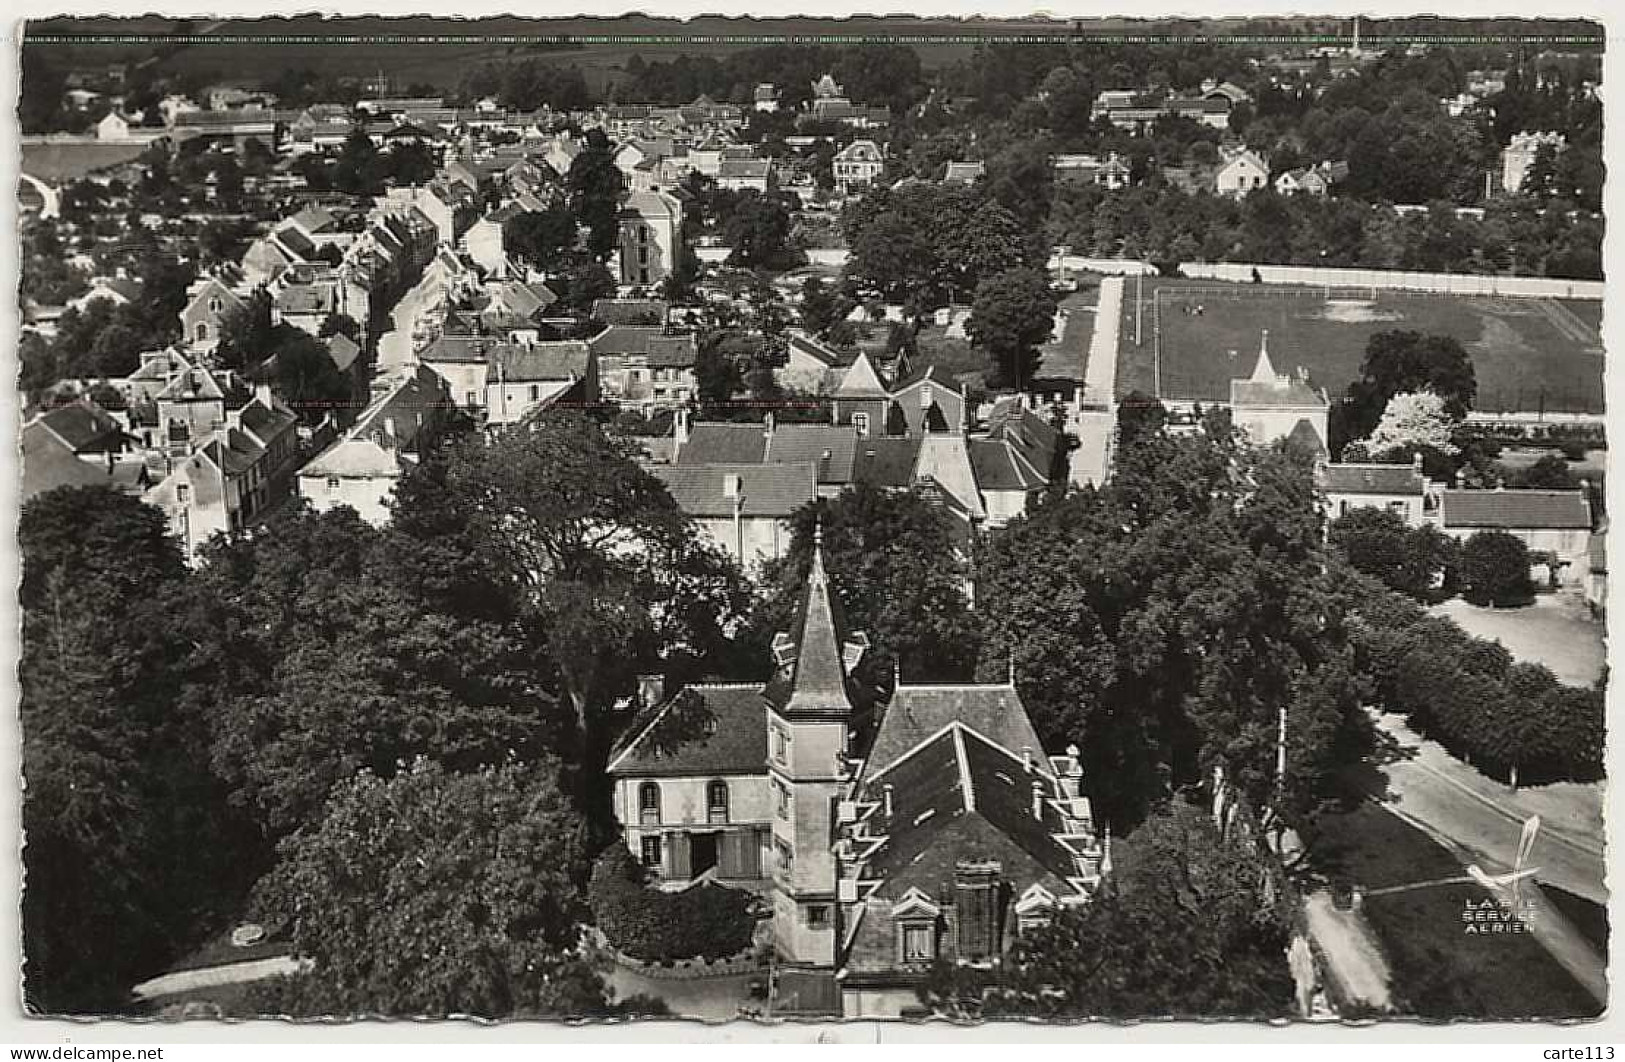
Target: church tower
point(809, 710)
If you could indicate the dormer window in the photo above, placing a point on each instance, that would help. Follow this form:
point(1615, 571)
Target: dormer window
point(915, 918)
point(183, 493)
point(860, 421)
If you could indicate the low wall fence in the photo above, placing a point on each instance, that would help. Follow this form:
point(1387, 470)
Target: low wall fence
point(694, 969)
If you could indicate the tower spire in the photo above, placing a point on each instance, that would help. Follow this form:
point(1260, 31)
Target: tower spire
point(1263, 371)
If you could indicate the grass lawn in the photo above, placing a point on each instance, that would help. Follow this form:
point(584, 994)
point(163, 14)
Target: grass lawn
point(1591, 919)
point(1556, 631)
point(1522, 349)
point(59, 162)
point(1439, 970)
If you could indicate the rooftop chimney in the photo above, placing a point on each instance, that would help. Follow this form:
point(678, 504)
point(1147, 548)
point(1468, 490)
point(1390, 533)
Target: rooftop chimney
point(1038, 800)
point(1027, 758)
point(886, 790)
point(651, 689)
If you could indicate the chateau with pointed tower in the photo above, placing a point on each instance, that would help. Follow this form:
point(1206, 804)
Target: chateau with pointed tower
point(1270, 406)
point(887, 832)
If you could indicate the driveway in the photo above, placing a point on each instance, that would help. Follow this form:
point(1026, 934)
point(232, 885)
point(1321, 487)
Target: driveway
point(1557, 631)
point(1350, 950)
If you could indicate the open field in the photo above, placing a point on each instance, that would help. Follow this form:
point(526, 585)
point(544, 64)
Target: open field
point(1528, 353)
point(360, 46)
point(1439, 970)
point(60, 162)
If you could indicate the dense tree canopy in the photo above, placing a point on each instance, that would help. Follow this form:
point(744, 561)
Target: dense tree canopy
point(1190, 924)
point(1162, 622)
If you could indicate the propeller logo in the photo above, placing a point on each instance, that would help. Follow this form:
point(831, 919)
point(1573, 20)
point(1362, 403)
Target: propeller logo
point(1511, 883)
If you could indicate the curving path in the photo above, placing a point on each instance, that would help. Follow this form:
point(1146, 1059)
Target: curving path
point(52, 197)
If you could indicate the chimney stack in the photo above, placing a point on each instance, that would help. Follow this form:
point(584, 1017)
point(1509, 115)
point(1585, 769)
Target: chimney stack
point(651, 689)
point(1027, 758)
point(1038, 800)
point(886, 790)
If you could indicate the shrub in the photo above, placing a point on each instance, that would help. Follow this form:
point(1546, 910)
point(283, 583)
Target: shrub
point(1495, 570)
point(707, 921)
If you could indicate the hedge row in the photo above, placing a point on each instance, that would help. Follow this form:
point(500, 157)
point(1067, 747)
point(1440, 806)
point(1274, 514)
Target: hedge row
point(707, 921)
point(1512, 721)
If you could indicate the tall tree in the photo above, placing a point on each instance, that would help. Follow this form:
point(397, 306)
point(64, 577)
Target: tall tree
point(1013, 314)
point(364, 895)
point(902, 577)
point(595, 186)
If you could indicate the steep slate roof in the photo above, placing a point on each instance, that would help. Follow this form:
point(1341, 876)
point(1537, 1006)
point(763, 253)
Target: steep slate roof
point(266, 422)
point(1303, 436)
point(1597, 551)
point(710, 444)
point(563, 360)
point(917, 712)
point(999, 467)
point(705, 729)
point(765, 490)
point(650, 340)
point(886, 462)
point(816, 683)
point(1542, 509)
point(1267, 388)
point(48, 463)
point(959, 796)
point(1370, 479)
point(82, 425)
point(809, 442)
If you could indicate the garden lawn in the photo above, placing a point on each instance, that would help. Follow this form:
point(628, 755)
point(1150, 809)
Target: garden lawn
point(1527, 353)
point(1439, 970)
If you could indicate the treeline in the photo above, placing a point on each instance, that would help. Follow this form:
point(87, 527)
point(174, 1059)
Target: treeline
point(870, 74)
point(1161, 223)
point(1514, 721)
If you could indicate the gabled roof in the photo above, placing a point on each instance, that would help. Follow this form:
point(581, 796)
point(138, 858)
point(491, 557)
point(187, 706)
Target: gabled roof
point(704, 730)
point(798, 342)
point(83, 425)
point(266, 422)
point(49, 463)
point(1519, 509)
point(773, 491)
point(314, 219)
point(1267, 388)
point(963, 172)
point(193, 385)
point(1305, 437)
point(861, 380)
point(959, 796)
point(1370, 479)
point(917, 712)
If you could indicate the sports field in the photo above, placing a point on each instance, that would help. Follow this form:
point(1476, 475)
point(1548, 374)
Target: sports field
point(1196, 336)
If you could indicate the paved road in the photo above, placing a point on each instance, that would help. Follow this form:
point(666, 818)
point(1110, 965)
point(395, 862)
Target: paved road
point(395, 346)
point(1485, 817)
point(1091, 462)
